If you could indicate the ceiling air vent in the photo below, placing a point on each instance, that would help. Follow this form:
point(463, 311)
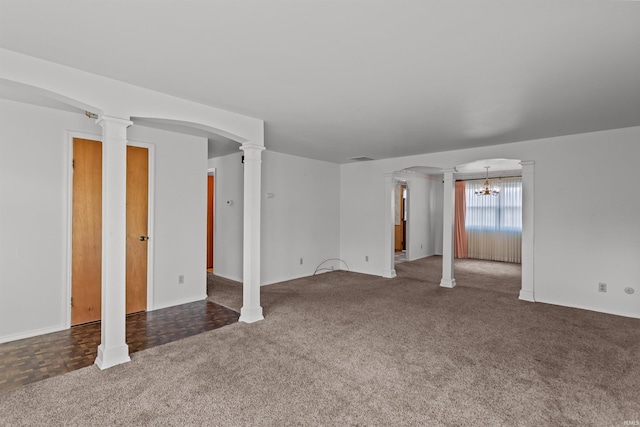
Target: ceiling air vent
point(361, 159)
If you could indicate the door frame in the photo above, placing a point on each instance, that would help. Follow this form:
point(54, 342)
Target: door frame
point(66, 299)
point(212, 172)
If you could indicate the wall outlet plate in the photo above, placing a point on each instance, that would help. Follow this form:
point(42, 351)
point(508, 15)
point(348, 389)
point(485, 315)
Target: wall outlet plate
point(602, 287)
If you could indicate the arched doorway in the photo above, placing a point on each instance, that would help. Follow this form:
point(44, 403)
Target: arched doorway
point(502, 167)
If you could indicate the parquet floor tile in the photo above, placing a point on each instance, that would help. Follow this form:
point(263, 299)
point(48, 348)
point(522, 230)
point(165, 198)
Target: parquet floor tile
point(34, 359)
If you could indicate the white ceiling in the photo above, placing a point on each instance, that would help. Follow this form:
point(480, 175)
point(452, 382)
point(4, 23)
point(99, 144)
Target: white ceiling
point(340, 79)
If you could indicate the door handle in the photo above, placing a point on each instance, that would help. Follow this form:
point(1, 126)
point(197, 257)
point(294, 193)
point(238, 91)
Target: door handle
point(144, 238)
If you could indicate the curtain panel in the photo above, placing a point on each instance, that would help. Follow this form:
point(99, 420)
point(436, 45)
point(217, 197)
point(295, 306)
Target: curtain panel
point(460, 245)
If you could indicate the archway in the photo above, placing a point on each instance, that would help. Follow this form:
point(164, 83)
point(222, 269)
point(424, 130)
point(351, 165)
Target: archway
point(501, 167)
point(424, 199)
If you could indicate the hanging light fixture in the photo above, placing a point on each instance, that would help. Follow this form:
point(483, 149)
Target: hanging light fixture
point(487, 190)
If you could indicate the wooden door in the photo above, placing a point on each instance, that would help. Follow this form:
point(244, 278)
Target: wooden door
point(137, 231)
point(86, 249)
point(86, 229)
point(210, 219)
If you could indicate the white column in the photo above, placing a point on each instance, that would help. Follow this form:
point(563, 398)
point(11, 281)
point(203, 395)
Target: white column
point(389, 269)
point(113, 348)
point(251, 310)
point(448, 209)
point(527, 291)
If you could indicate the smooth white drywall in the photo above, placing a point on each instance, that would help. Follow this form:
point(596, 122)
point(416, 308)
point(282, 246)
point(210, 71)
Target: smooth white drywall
point(34, 209)
point(228, 225)
point(180, 231)
point(586, 214)
point(33, 216)
point(300, 219)
point(423, 216)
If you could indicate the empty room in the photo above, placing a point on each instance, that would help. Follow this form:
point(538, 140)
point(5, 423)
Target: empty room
point(319, 212)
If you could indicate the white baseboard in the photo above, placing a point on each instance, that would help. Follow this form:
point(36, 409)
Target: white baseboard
point(389, 274)
point(224, 276)
point(179, 302)
point(583, 307)
point(526, 296)
point(421, 257)
point(32, 333)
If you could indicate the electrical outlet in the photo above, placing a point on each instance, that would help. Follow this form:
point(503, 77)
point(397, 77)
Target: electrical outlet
point(300, 261)
point(181, 279)
point(602, 287)
point(420, 246)
point(366, 258)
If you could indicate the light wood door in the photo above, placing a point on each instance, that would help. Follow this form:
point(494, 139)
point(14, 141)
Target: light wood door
point(210, 219)
point(86, 238)
point(86, 250)
point(400, 230)
point(137, 227)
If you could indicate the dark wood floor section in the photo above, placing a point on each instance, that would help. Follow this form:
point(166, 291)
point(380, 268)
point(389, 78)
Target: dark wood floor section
point(34, 359)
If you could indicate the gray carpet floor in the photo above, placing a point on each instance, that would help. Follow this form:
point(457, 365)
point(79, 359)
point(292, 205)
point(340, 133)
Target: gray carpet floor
point(350, 349)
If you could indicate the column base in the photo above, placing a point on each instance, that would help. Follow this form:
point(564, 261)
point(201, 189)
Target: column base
point(250, 315)
point(112, 356)
point(526, 296)
point(389, 274)
point(448, 283)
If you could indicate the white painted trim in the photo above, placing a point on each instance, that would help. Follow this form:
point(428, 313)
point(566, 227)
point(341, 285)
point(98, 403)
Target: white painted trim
point(33, 333)
point(251, 314)
point(526, 296)
point(390, 182)
point(448, 283)
point(448, 227)
point(407, 231)
point(527, 285)
point(235, 279)
point(388, 258)
point(212, 172)
point(585, 307)
point(389, 274)
point(180, 302)
point(109, 357)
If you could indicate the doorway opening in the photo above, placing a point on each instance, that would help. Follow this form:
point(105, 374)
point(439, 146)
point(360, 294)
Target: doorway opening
point(400, 223)
point(489, 226)
point(211, 173)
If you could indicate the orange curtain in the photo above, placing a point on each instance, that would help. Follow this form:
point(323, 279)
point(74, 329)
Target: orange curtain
point(460, 245)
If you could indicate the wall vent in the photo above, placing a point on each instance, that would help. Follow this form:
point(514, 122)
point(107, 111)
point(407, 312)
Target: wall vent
point(361, 159)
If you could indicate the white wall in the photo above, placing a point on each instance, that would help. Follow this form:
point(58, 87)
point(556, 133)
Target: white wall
point(34, 153)
point(229, 182)
point(424, 213)
point(180, 232)
point(301, 220)
point(586, 214)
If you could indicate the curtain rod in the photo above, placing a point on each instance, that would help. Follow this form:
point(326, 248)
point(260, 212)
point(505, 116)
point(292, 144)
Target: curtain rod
point(490, 178)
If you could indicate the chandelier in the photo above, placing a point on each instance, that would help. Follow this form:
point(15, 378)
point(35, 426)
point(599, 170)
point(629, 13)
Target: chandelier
point(487, 190)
